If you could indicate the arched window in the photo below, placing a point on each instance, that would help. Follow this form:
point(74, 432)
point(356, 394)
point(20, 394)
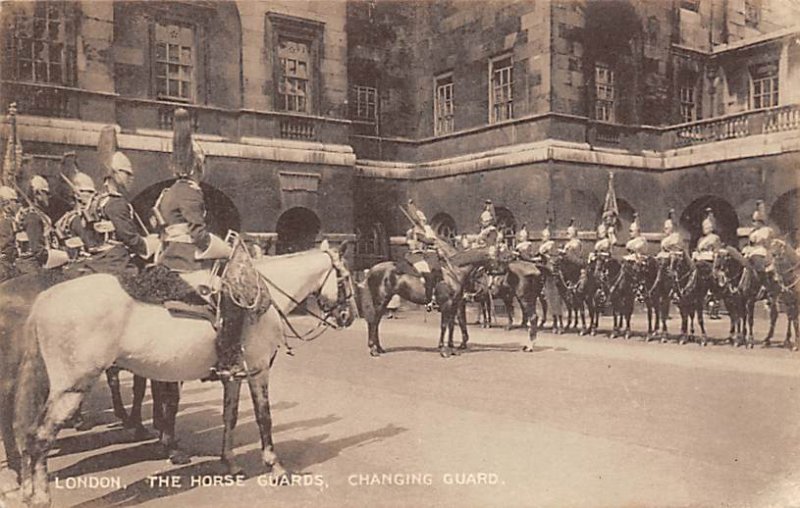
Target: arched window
point(725, 217)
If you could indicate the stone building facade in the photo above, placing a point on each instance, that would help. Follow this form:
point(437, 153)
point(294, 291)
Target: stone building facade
point(320, 118)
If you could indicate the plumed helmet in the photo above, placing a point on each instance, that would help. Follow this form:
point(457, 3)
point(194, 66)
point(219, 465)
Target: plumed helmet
point(120, 162)
point(759, 215)
point(709, 223)
point(572, 231)
point(634, 228)
point(39, 184)
point(83, 182)
point(522, 234)
point(669, 226)
point(7, 194)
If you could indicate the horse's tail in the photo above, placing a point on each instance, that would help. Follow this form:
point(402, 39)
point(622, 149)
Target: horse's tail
point(33, 384)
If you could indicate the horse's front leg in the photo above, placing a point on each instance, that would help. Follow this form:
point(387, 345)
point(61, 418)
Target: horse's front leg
point(462, 324)
point(134, 421)
point(112, 378)
point(169, 396)
point(773, 319)
point(444, 323)
point(701, 323)
point(230, 414)
point(259, 392)
point(533, 322)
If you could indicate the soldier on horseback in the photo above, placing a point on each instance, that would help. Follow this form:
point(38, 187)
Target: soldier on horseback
point(188, 245)
point(547, 251)
point(489, 235)
point(637, 245)
point(710, 242)
point(73, 228)
point(573, 249)
point(37, 243)
point(422, 254)
point(759, 251)
point(672, 243)
point(524, 245)
point(113, 221)
point(606, 235)
point(8, 249)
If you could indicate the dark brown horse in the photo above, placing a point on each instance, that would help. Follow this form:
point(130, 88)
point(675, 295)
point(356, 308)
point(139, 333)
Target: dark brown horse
point(385, 280)
point(727, 272)
point(485, 288)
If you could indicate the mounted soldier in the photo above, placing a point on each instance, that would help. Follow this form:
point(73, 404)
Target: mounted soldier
point(113, 219)
point(37, 243)
point(547, 252)
point(422, 254)
point(710, 242)
point(606, 235)
point(573, 249)
point(489, 235)
point(524, 246)
point(9, 204)
point(73, 228)
point(188, 244)
point(672, 243)
point(637, 245)
point(759, 250)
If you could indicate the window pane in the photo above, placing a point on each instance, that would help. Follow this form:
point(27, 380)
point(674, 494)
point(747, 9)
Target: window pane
point(40, 71)
point(25, 70)
point(172, 89)
point(39, 28)
point(172, 52)
point(55, 74)
point(186, 55)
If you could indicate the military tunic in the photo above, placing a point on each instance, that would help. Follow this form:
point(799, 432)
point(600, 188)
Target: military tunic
point(707, 246)
point(183, 210)
point(605, 244)
point(671, 244)
point(760, 240)
point(113, 255)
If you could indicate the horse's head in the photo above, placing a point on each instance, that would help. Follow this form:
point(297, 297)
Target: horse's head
point(336, 296)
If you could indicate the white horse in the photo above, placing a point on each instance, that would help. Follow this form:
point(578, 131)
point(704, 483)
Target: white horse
point(77, 329)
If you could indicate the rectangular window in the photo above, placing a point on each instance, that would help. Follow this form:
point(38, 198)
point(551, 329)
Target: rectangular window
point(174, 61)
point(604, 93)
point(443, 105)
point(43, 46)
point(365, 103)
point(764, 85)
point(294, 84)
point(501, 98)
point(688, 104)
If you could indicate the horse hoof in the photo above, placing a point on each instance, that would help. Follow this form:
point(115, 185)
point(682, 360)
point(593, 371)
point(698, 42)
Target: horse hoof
point(374, 352)
point(463, 346)
point(444, 353)
point(765, 344)
point(527, 349)
point(179, 457)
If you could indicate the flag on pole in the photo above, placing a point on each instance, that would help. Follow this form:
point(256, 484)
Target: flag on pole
point(610, 205)
point(12, 157)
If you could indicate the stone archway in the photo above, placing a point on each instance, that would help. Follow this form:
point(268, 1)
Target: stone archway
point(445, 226)
point(725, 214)
point(221, 213)
point(297, 230)
point(785, 214)
point(506, 225)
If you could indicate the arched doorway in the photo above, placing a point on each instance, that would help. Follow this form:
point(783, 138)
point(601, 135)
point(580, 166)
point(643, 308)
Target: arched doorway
point(297, 230)
point(506, 225)
point(221, 213)
point(784, 214)
point(725, 215)
point(444, 226)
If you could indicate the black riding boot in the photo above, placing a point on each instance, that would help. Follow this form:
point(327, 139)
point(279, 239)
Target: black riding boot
point(229, 341)
point(430, 297)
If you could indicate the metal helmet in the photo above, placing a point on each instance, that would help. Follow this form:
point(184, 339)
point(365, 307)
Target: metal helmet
point(120, 162)
point(572, 231)
point(759, 215)
point(634, 228)
point(83, 182)
point(709, 223)
point(669, 226)
point(39, 184)
point(7, 194)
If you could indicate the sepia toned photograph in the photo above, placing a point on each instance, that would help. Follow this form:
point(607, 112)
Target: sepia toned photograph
point(399, 253)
